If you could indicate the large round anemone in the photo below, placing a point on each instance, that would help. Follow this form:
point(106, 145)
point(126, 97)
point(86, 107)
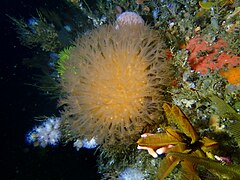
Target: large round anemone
point(114, 81)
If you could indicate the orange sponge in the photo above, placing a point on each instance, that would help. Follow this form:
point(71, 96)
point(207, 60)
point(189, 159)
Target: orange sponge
point(232, 75)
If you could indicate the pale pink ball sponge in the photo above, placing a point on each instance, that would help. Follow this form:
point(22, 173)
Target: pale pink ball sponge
point(114, 81)
point(129, 18)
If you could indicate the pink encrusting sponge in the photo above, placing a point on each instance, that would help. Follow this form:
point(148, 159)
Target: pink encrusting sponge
point(204, 56)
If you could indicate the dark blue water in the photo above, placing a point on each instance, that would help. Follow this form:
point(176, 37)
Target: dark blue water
point(21, 102)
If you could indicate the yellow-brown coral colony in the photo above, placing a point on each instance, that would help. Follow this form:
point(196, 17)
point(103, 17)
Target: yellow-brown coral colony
point(114, 80)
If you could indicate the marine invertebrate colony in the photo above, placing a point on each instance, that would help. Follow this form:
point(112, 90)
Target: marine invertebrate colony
point(130, 173)
point(204, 56)
point(114, 80)
point(48, 133)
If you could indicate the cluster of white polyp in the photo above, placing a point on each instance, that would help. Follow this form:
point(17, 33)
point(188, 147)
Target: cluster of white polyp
point(48, 133)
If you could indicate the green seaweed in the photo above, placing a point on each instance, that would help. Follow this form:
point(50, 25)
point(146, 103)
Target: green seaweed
point(224, 110)
point(222, 170)
point(42, 33)
point(63, 57)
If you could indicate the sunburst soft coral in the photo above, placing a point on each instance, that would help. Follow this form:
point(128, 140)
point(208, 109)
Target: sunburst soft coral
point(114, 82)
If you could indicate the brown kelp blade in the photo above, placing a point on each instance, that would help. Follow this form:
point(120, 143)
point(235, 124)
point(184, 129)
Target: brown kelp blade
point(223, 109)
point(222, 170)
point(157, 140)
point(226, 111)
point(175, 115)
point(166, 167)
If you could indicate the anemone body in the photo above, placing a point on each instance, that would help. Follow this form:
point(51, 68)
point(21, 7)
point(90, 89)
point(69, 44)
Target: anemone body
point(114, 81)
